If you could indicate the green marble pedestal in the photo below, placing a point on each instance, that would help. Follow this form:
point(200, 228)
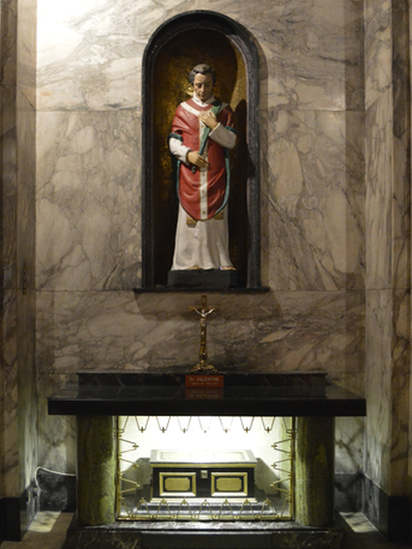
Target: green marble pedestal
point(96, 468)
point(314, 481)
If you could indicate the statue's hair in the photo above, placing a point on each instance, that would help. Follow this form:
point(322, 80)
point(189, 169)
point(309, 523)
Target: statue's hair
point(203, 68)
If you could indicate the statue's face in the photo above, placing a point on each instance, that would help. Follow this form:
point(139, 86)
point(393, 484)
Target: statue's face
point(203, 86)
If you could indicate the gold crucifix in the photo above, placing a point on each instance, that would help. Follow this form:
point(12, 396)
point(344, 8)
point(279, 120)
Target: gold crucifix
point(204, 311)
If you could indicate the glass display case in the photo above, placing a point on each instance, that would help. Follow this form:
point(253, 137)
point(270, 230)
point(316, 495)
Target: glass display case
point(205, 468)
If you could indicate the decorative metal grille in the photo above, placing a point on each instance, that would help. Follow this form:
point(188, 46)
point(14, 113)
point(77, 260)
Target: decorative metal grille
point(274, 501)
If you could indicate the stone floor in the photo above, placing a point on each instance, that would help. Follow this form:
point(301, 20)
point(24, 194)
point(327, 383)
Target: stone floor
point(361, 534)
point(49, 529)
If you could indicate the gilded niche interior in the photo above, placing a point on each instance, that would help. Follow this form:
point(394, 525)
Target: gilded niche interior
point(205, 468)
point(173, 64)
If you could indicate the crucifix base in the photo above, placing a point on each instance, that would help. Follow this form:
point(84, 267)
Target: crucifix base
point(213, 279)
point(203, 367)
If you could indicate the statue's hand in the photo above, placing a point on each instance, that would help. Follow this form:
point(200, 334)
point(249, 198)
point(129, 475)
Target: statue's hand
point(209, 119)
point(195, 158)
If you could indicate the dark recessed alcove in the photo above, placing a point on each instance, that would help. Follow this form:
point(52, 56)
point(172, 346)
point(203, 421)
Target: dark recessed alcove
point(175, 47)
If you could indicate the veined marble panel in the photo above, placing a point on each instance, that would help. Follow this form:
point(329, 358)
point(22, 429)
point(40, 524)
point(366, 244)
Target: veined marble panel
point(314, 201)
point(349, 439)
point(400, 412)
point(90, 56)
point(378, 49)
point(387, 386)
point(26, 306)
point(378, 384)
point(410, 367)
point(401, 205)
point(8, 113)
point(26, 49)
point(8, 144)
point(57, 434)
point(26, 208)
point(8, 46)
point(9, 457)
point(88, 201)
point(379, 193)
point(314, 53)
point(10, 451)
point(286, 331)
point(9, 482)
point(25, 230)
point(9, 189)
point(27, 394)
point(401, 151)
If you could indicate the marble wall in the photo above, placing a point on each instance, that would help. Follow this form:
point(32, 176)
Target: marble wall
point(88, 197)
point(26, 245)
point(335, 242)
point(409, 472)
point(387, 157)
point(18, 402)
point(8, 322)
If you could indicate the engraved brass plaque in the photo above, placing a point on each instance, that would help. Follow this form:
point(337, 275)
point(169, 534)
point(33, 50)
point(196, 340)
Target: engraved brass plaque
point(225, 484)
point(229, 484)
point(177, 484)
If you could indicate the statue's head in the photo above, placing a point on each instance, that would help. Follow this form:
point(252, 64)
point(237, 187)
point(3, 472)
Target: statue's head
point(203, 78)
point(203, 68)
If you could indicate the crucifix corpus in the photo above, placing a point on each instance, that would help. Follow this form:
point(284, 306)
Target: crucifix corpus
point(203, 311)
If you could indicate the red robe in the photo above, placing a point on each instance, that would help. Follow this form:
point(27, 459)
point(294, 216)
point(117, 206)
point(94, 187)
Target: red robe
point(187, 125)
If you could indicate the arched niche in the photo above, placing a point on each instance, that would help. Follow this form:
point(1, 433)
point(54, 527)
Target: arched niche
point(173, 50)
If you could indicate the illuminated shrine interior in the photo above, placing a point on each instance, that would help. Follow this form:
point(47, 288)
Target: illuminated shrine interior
point(204, 468)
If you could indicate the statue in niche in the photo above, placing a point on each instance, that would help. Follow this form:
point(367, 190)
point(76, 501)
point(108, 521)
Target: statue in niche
point(202, 135)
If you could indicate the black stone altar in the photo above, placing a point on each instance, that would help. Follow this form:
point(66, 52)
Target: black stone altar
point(289, 394)
point(306, 396)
